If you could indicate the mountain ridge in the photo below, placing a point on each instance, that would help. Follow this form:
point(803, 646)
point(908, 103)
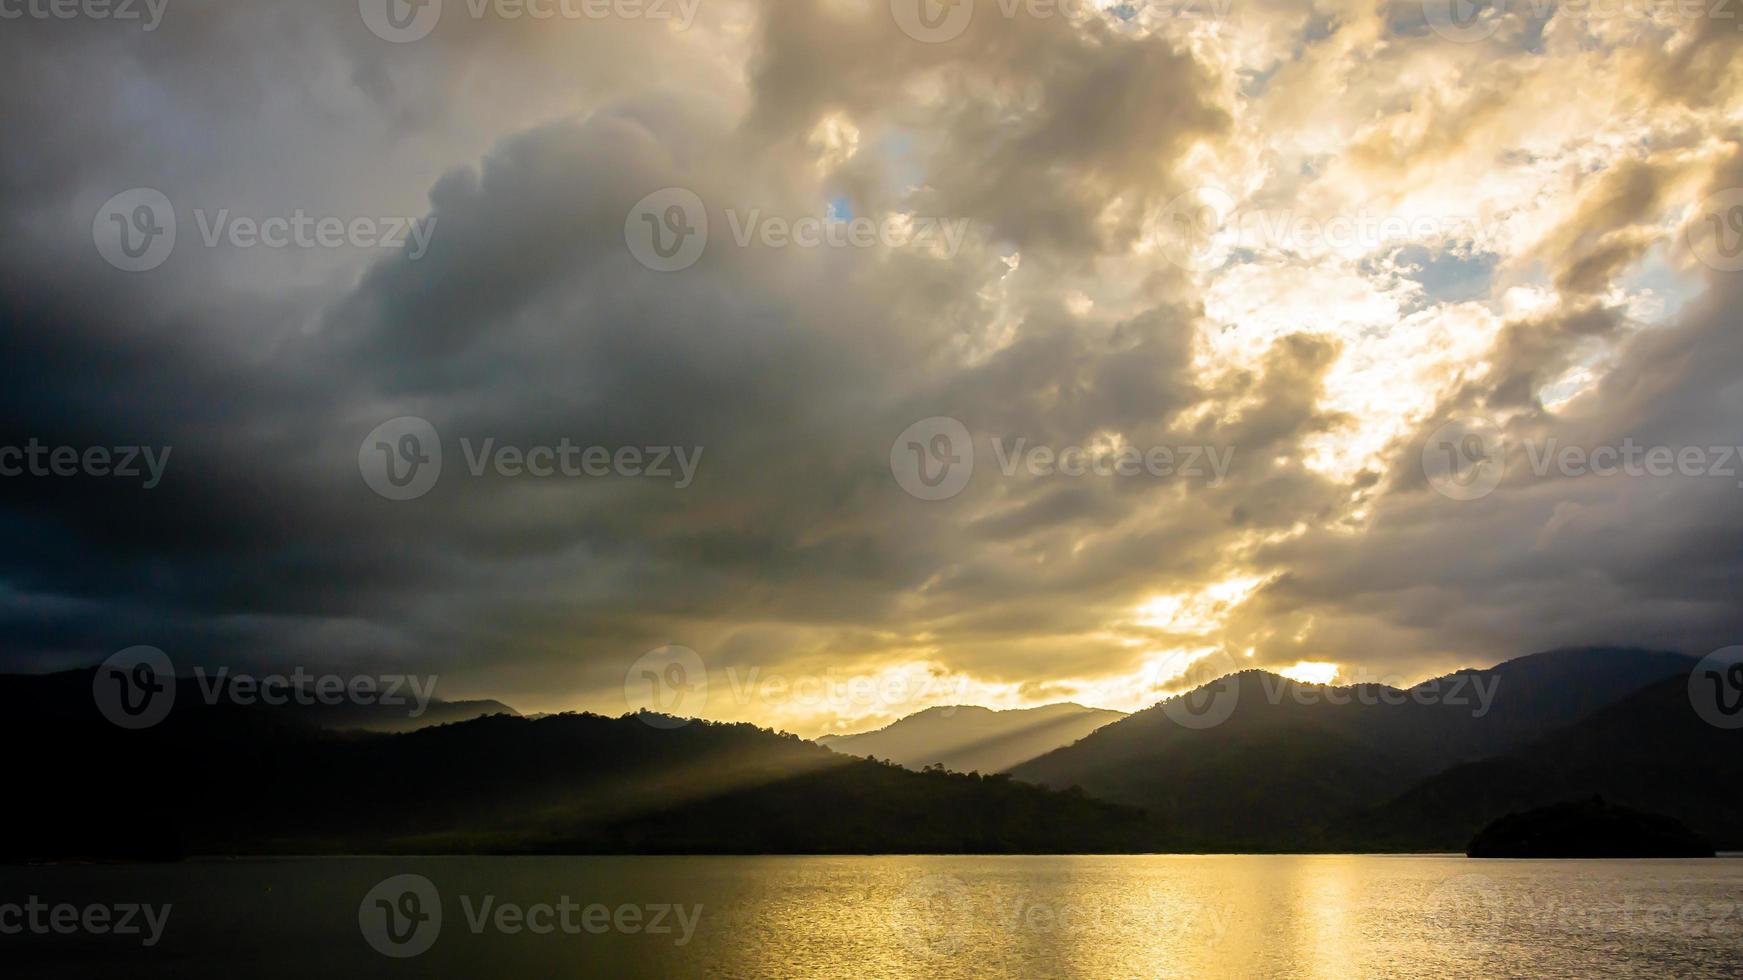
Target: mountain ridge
point(1287, 764)
point(227, 779)
point(972, 738)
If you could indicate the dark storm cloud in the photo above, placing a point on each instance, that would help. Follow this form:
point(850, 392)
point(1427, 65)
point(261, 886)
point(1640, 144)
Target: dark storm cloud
point(528, 321)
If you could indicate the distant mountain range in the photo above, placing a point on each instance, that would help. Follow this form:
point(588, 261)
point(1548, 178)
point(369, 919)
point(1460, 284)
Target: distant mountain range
point(1649, 751)
point(973, 739)
point(379, 718)
point(227, 779)
point(1310, 767)
point(1252, 762)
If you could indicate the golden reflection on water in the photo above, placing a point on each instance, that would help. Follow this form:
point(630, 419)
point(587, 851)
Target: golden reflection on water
point(941, 918)
point(1316, 916)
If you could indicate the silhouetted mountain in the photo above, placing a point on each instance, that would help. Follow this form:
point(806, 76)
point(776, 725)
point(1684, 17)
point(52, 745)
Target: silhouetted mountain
point(1649, 751)
point(1587, 829)
point(972, 739)
point(1293, 761)
point(1272, 765)
point(386, 718)
point(223, 779)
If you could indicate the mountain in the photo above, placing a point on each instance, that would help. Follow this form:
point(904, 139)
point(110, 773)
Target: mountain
point(1649, 751)
point(1293, 762)
point(228, 779)
point(1252, 762)
point(973, 739)
point(381, 718)
point(1587, 829)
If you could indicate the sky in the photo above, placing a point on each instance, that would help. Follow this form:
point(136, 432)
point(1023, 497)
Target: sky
point(858, 356)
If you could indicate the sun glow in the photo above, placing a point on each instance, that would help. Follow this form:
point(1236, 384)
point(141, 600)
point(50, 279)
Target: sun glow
point(1311, 672)
point(1199, 612)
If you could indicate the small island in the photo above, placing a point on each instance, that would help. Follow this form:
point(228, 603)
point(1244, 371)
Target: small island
point(1587, 828)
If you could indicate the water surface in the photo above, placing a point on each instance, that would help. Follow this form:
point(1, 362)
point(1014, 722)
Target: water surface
point(877, 917)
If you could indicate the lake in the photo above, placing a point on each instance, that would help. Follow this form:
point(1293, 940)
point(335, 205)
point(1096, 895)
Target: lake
point(875, 917)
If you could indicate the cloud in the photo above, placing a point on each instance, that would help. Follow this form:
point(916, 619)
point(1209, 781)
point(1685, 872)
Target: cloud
point(1057, 320)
